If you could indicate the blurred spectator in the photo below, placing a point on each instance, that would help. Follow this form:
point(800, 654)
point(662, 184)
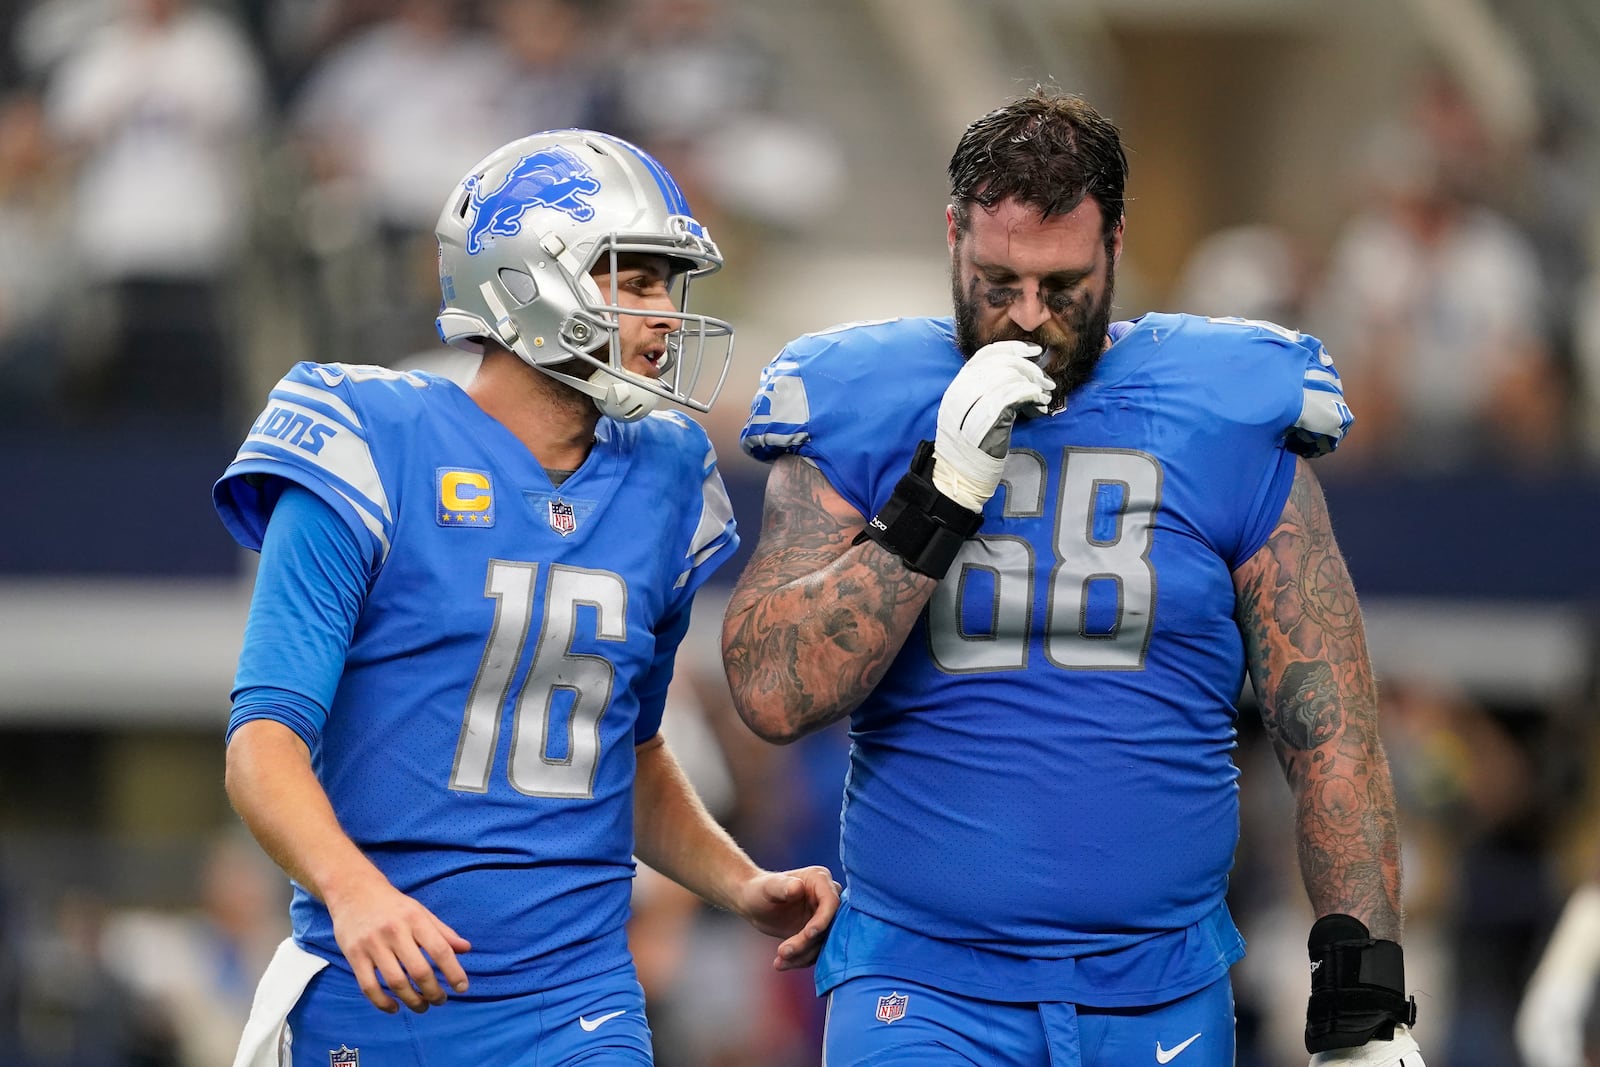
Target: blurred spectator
point(1586, 360)
point(699, 87)
point(1556, 202)
point(36, 330)
point(554, 77)
point(42, 32)
point(1254, 271)
point(1433, 305)
point(198, 970)
point(1558, 1018)
point(74, 1012)
point(157, 108)
point(684, 68)
point(1472, 806)
point(1555, 1018)
point(385, 121)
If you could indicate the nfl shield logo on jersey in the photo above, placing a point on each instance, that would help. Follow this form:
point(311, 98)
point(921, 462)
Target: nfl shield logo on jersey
point(892, 1007)
point(562, 519)
point(344, 1056)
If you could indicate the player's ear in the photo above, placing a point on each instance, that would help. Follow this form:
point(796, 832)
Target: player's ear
point(1116, 241)
point(952, 232)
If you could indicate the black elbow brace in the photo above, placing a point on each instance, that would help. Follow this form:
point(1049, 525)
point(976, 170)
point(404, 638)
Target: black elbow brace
point(1357, 986)
point(919, 524)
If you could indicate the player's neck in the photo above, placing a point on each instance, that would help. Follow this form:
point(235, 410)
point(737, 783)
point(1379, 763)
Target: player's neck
point(554, 421)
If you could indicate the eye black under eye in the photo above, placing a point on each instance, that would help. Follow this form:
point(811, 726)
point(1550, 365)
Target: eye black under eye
point(1059, 301)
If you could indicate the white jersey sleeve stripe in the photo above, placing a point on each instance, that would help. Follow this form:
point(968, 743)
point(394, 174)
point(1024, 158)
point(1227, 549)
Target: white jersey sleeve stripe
point(716, 512)
point(781, 411)
point(322, 398)
point(1324, 418)
point(339, 454)
point(374, 525)
point(376, 521)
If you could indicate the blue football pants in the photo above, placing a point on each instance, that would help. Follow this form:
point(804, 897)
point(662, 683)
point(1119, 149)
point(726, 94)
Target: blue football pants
point(595, 1021)
point(885, 1022)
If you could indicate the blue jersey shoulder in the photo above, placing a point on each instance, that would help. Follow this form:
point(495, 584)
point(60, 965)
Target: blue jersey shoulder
point(672, 438)
point(856, 375)
point(321, 428)
point(837, 396)
point(671, 432)
point(1248, 371)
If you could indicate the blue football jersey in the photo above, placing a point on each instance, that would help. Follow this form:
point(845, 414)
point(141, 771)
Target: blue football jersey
point(1045, 772)
point(480, 744)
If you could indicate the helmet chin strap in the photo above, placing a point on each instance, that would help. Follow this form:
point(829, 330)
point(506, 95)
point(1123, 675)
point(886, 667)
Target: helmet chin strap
point(620, 399)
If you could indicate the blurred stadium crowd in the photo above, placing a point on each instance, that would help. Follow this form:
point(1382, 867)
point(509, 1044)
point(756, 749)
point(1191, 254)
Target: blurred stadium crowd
point(194, 195)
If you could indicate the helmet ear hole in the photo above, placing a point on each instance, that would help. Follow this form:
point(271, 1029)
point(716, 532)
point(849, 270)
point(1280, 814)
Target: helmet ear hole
point(519, 285)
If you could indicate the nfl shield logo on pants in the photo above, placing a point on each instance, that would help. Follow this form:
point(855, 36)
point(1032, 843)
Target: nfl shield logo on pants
point(562, 519)
point(892, 1007)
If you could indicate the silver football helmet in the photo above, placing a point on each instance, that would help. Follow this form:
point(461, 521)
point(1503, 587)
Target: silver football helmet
point(518, 238)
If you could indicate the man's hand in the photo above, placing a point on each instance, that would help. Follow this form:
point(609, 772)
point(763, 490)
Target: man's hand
point(386, 935)
point(796, 905)
point(1400, 1052)
point(975, 418)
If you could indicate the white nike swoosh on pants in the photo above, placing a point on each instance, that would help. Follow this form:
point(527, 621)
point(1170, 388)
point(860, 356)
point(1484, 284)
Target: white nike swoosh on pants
point(590, 1025)
point(1167, 1055)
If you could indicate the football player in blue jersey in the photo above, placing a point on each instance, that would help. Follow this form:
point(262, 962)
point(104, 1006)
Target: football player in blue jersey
point(446, 713)
point(1032, 554)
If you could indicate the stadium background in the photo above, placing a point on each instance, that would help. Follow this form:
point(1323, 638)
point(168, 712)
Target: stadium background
point(1268, 139)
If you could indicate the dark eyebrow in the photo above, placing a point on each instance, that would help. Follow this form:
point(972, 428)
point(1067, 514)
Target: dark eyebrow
point(658, 267)
point(1062, 278)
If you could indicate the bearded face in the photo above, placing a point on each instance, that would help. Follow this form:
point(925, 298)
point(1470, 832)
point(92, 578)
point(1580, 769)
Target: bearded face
point(1072, 345)
point(1018, 277)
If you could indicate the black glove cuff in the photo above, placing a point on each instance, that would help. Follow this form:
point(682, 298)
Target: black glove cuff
point(1357, 986)
point(919, 524)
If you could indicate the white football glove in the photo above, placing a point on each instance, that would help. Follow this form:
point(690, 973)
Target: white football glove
point(975, 418)
point(1549, 1028)
point(1401, 1052)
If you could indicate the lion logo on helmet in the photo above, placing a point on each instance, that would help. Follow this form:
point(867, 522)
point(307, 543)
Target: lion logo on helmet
point(554, 178)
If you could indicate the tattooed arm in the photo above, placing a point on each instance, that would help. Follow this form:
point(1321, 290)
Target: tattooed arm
point(1307, 651)
point(814, 620)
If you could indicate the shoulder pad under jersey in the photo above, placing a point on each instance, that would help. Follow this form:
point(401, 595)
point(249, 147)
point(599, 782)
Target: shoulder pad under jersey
point(317, 430)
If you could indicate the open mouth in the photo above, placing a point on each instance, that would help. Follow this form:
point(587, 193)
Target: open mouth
point(655, 358)
point(659, 358)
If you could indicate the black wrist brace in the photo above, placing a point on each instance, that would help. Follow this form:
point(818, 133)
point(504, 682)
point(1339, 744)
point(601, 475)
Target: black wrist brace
point(919, 524)
point(1357, 986)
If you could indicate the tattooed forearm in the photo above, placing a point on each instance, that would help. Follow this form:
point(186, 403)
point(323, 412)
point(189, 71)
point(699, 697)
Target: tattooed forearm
point(1309, 664)
point(815, 620)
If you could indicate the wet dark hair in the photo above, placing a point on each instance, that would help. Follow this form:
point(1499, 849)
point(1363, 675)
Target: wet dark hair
point(1049, 150)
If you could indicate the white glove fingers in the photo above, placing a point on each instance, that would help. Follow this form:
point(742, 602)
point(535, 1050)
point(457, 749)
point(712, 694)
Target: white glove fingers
point(976, 415)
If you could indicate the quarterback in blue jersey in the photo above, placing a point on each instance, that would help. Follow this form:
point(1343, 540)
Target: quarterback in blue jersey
point(1032, 554)
point(446, 717)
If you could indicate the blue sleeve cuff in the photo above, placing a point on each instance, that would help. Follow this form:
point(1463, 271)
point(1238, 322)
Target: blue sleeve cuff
point(299, 713)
